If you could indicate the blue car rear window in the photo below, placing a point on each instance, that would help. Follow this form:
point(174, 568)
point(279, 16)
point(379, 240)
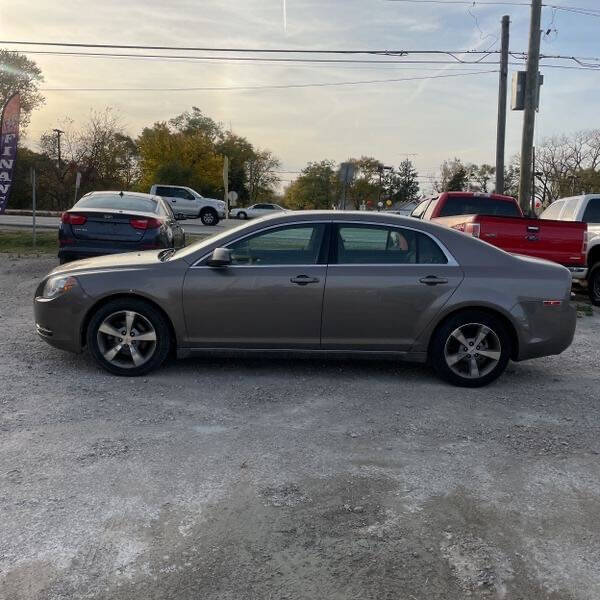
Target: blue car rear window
point(116, 202)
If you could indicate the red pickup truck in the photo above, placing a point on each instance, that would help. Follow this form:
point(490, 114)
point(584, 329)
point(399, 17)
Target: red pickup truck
point(499, 220)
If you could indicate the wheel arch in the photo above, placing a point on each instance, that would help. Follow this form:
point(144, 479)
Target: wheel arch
point(593, 259)
point(498, 314)
point(102, 301)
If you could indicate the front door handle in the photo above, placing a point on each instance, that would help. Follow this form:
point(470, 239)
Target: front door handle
point(432, 280)
point(304, 280)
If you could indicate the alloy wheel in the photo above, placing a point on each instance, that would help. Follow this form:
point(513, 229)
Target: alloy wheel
point(208, 218)
point(126, 339)
point(472, 350)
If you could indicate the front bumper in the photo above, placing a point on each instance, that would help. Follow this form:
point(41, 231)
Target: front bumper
point(59, 320)
point(578, 273)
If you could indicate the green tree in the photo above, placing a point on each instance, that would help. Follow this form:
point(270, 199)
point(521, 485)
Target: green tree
point(366, 187)
point(261, 176)
point(315, 187)
point(239, 151)
point(405, 183)
point(20, 74)
point(454, 176)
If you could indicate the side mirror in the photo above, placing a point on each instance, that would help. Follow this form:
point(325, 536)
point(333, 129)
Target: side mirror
point(221, 257)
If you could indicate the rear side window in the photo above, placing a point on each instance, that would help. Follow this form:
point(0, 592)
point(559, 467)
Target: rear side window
point(369, 244)
point(592, 211)
point(553, 211)
point(473, 205)
point(570, 209)
point(294, 245)
point(116, 202)
point(172, 192)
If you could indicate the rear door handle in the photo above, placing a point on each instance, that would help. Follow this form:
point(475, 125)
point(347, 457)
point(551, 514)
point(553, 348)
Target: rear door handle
point(432, 280)
point(304, 280)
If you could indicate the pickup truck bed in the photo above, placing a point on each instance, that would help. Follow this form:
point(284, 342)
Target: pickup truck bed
point(500, 221)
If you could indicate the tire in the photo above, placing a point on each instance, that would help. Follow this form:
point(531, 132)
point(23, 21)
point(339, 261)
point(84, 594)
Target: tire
point(148, 321)
point(594, 286)
point(473, 369)
point(209, 217)
point(242, 215)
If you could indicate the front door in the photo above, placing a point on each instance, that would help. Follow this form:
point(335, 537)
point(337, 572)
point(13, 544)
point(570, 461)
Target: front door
point(271, 296)
point(384, 285)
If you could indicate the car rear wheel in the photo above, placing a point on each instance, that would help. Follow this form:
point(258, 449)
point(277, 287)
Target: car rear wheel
point(242, 215)
point(209, 216)
point(128, 337)
point(471, 349)
point(594, 286)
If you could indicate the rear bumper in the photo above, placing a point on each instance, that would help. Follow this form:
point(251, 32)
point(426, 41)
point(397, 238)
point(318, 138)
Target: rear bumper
point(544, 330)
point(578, 273)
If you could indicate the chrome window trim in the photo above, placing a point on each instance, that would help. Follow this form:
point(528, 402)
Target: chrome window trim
point(198, 266)
point(452, 262)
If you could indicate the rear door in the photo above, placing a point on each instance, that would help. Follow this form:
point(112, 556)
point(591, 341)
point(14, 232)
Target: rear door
point(384, 285)
point(271, 296)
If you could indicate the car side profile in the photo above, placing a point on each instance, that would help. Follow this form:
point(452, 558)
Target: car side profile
point(187, 203)
point(254, 211)
point(111, 222)
point(325, 283)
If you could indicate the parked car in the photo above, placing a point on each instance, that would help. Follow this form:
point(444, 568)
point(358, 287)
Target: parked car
point(256, 210)
point(189, 204)
point(499, 220)
point(584, 209)
point(325, 283)
point(111, 222)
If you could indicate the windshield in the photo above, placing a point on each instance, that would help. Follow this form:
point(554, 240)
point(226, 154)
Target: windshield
point(116, 202)
point(474, 205)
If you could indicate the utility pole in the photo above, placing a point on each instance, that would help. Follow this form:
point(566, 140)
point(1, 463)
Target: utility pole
point(502, 90)
point(531, 98)
point(58, 132)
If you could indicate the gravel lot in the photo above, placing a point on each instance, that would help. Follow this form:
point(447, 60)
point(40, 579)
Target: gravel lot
point(292, 479)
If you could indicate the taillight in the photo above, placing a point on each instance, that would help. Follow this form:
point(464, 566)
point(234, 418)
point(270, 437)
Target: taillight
point(585, 242)
point(473, 229)
point(73, 218)
point(149, 223)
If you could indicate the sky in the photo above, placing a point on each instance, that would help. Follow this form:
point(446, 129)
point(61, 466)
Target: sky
point(427, 120)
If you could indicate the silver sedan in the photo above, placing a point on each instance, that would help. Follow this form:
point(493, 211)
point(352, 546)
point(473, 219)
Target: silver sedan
point(318, 283)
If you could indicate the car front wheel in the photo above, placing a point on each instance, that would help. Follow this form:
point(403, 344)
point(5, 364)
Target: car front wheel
point(471, 349)
point(128, 337)
point(209, 217)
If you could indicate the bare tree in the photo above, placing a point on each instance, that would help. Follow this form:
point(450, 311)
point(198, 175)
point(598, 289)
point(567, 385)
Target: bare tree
point(262, 178)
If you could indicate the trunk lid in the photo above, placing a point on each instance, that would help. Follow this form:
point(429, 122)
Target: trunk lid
point(109, 225)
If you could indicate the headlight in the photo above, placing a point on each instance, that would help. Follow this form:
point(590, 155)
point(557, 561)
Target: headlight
point(55, 286)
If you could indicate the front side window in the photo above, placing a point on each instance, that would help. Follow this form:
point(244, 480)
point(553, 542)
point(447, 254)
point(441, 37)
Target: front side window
point(293, 245)
point(366, 244)
point(592, 211)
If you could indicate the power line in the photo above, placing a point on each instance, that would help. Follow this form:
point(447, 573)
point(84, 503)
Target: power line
point(265, 87)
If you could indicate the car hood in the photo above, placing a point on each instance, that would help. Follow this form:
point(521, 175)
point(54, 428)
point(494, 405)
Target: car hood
point(109, 261)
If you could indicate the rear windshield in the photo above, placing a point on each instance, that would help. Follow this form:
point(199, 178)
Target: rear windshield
point(473, 205)
point(116, 202)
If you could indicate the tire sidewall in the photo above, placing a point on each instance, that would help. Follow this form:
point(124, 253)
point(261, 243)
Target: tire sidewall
point(594, 276)
point(156, 318)
point(442, 333)
point(242, 215)
point(209, 211)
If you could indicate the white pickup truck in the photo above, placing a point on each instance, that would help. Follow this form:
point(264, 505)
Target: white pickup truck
point(585, 209)
point(189, 204)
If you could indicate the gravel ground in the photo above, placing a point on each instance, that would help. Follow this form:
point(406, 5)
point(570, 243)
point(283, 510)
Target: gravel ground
point(292, 479)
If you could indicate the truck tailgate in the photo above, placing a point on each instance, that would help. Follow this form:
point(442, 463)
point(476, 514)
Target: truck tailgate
point(558, 241)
